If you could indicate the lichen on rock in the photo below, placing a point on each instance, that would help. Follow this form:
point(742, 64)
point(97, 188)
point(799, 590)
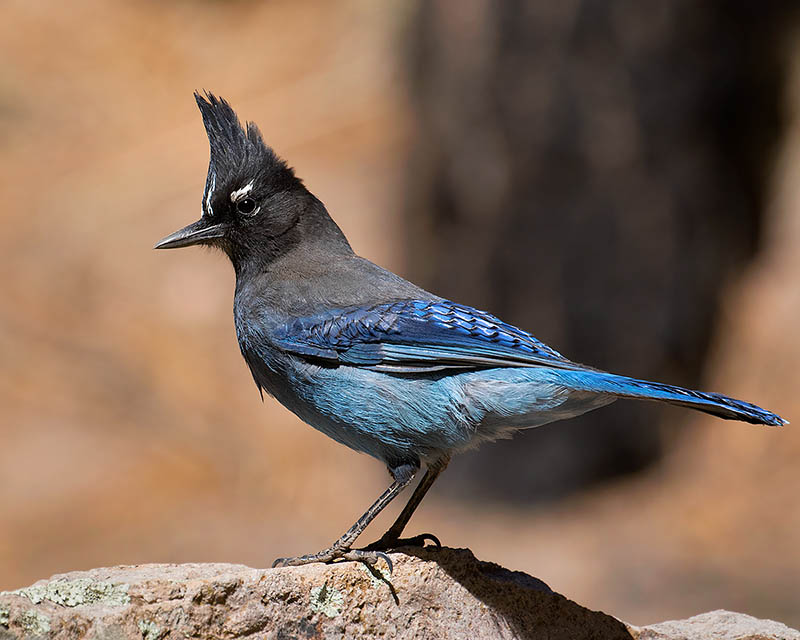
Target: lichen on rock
point(327, 600)
point(73, 593)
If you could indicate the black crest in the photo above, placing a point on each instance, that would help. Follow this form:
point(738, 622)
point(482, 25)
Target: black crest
point(236, 149)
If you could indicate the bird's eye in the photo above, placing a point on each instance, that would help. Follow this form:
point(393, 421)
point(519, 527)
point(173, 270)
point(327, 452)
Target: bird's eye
point(246, 206)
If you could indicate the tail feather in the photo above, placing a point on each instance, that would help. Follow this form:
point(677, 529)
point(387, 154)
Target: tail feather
point(713, 403)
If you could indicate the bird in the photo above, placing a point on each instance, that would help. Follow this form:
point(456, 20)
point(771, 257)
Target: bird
point(370, 359)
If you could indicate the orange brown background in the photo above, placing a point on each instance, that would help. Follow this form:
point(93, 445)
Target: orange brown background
point(130, 429)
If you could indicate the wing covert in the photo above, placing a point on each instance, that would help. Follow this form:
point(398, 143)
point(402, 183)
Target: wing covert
point(415, 336)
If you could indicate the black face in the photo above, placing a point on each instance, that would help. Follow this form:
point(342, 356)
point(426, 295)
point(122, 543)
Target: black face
point(250, 196)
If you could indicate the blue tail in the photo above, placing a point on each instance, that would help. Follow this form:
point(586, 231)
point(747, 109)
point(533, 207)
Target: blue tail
point(713, 403)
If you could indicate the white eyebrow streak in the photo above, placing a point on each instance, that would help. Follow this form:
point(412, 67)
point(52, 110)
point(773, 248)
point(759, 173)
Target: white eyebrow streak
point(242, 192)
point(208, 210)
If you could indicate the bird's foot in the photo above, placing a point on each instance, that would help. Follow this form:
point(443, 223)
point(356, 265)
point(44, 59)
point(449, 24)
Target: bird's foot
point(387, 542)
point(368, 556)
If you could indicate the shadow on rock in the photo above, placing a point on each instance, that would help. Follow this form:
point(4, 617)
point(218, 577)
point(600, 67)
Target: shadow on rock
point(529, 608)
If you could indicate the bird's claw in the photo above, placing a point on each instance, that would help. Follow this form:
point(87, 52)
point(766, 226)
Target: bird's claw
point(420, 540)
point(283, 562)
point(295, 562)
point(385, 544)
point(369, 557)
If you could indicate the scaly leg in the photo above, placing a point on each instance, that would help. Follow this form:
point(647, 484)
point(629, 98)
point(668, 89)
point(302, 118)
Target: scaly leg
point(341, 549)
point(391, 539)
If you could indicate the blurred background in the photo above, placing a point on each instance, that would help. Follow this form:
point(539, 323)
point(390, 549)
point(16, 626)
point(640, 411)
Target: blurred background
point(618, 177)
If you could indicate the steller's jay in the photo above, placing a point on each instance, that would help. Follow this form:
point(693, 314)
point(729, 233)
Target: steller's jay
point(370, 359)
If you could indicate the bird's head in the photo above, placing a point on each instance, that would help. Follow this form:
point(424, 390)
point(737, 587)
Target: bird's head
point(254, 207)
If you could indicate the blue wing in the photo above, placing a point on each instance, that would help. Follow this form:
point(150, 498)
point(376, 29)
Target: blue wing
point(414, 336)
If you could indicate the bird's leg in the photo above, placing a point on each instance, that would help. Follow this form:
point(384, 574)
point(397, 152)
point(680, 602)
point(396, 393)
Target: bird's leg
point(391, 539)
point(341, 549)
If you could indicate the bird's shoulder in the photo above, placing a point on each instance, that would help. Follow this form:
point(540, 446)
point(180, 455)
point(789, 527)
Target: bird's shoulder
point(313, 287)
point(311, 284)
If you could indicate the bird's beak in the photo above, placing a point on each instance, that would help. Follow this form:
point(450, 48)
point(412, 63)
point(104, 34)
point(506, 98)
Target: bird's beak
point(196, 233)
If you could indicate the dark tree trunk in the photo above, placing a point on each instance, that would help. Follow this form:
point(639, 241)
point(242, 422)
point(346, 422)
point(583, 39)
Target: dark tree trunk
point(591, 171)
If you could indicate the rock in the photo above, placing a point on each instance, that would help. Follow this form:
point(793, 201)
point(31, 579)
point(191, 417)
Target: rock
point(722, 625)
point(431, 594)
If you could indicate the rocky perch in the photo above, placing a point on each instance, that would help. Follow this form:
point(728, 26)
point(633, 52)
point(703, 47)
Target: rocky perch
point(431, 594)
